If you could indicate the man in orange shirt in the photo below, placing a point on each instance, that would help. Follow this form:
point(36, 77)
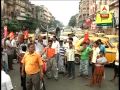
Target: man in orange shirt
point(51, 62)
point(32, 66)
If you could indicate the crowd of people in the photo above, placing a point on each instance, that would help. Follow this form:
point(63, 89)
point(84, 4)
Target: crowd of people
point(49, 57)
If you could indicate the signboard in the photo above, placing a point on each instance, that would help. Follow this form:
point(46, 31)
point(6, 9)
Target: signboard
point(104, 21)
point(104, 11)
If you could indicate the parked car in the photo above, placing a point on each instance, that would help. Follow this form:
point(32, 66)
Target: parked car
point(113, 39)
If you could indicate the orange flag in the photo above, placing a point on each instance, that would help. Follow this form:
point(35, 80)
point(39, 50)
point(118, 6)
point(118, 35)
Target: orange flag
point(11, 35)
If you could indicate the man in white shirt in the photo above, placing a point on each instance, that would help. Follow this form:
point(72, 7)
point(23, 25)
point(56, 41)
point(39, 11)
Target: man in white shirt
point(70, 53)
point(56, 46)
point(96, 51)
point(6, 83)
point(13, 42)
point(39, 45)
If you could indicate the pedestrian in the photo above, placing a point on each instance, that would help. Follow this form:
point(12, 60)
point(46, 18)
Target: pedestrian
point(23, 78)
point(4, 60)
point(70, 53)
point(99, 70)
point(14, 46)
point(10, 52)
point(66, 46)
point(32, 67)
point(95, 53)
point(84, 59)
point(6, 83)
point(56, 46)
point(61, 61)
point(45, 40)
point(52, 68)
point(101, 46)
point(39, 45)
point(116, 65)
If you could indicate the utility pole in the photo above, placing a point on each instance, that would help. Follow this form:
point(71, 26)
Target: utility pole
point(113, 31)
point(47, 33)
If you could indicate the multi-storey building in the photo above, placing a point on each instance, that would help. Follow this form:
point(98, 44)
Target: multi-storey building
point(83, 11)
point(43, 14)
point(94, 6)
point(16, 9)
point(114, 8)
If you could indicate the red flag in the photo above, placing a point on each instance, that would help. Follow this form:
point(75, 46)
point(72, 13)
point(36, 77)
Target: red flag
point(26, 34)
point(11, 35)
point(5, 31)
point(86, 36)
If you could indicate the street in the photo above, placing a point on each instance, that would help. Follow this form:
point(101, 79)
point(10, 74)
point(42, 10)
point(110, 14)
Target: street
point(65, 84)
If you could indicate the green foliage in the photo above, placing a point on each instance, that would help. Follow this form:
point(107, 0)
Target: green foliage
point(30, 23)
point(14, 25)
point(72, 21)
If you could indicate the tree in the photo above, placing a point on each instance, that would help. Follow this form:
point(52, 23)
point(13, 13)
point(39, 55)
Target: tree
point(14, 25)
point(72, 21)
point(30, 23)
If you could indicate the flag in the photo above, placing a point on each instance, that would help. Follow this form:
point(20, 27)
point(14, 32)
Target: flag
point(11, 35)
point(26, 34)
point(86, 36)
point(5, 31)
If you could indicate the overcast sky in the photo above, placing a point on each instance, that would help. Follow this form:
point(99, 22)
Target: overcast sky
point(61, 10)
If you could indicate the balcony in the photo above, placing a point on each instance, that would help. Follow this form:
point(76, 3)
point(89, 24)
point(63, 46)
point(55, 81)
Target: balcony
point(20, 3)
point(9, 1)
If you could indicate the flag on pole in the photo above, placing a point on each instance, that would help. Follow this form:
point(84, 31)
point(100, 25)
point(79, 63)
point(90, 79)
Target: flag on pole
point(86, 36)
point(5, 31)
point(26, 34)
point(11, 35)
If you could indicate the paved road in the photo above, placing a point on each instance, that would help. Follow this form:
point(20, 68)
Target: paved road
point(66, 84)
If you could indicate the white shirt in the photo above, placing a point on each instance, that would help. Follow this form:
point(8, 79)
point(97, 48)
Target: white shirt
point(70, 54)
point(39, 47)
point(75, 39)
point(45, 42)
point(95, 54)
point(13, 43)
point(6, 83)
point(56, 46)
point(66, 45)
point(7, 42)
point(117, 58)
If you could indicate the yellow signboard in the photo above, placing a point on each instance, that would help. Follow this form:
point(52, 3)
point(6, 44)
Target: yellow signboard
point(100, 20)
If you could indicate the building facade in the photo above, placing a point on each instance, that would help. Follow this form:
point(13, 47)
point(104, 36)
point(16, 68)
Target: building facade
point(16, 9)
point(44, 14)
point(83, 11)
point(94, 6)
